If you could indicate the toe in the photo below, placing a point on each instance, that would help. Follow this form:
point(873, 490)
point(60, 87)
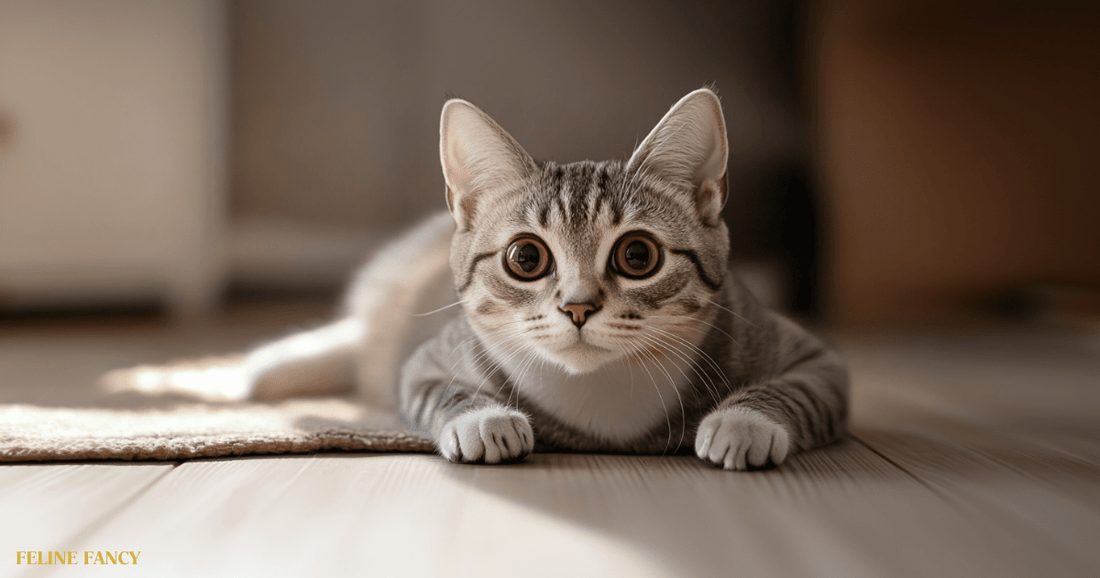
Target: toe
point(704, 437)
point(735, 460)
point(780, 446)
point(720, 444)
point(471, 446)
point(448, 444)
point(757, 455)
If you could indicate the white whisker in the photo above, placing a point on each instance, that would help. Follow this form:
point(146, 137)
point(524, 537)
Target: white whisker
point(710, 360)
point(707, 323)
point(635, 354)
point(672, 382)
point(705, 379)
point(482, 356)
point(732, 312)
point(459, 302)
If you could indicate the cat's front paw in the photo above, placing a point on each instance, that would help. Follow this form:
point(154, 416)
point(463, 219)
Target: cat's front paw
point(738, 437)
point(490, 435)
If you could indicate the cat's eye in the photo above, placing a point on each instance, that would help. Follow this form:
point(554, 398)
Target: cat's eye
point(527, 258)
point(636, 256)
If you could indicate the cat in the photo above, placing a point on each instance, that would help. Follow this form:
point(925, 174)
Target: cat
point(595, 312)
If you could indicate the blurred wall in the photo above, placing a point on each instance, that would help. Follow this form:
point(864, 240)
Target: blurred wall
point(958, 142)
point(336, 103)
point(113, 156)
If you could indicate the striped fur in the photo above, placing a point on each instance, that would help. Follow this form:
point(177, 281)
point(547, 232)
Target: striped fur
point(684, 360)
point(681, 360)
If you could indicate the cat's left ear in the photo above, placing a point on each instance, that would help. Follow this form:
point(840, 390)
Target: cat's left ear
point(478, 157)
point(688, 149)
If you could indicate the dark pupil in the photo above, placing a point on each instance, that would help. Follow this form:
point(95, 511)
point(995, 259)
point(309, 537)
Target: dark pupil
point(527, 257)
point(637, 255)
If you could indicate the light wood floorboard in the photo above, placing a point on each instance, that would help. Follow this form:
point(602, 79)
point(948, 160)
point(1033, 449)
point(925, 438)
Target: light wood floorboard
point(55, 506)
point(843, 511)
point(1002, 424)
point(974, 453)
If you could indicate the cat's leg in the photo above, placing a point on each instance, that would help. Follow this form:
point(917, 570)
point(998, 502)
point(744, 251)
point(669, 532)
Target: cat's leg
point(804, 407)
point(490, 435)
point(445, 394)
point(467, 425)
point(314, 362)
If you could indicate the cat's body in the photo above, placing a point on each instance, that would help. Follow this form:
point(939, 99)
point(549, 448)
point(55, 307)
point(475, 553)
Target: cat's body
point(597, 311)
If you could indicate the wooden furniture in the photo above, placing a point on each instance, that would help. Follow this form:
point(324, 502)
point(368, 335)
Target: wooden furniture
point(957, 146)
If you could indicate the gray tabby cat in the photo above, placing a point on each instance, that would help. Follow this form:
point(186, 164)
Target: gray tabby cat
point(597, 312)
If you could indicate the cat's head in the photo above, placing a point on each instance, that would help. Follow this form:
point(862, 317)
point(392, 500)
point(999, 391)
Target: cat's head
point(590, 262)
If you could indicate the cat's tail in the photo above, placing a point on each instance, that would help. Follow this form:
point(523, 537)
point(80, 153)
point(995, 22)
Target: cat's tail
point(384, 322)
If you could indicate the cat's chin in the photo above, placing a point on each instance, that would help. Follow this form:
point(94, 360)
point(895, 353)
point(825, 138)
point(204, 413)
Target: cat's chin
point(583, 358)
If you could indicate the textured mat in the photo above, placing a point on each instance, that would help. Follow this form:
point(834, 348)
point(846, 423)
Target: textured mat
point(189, 410)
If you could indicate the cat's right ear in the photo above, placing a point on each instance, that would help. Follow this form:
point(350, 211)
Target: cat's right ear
point(688, 148)
point(478, 157)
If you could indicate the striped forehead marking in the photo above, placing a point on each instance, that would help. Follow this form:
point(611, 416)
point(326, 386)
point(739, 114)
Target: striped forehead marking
point(576, 194)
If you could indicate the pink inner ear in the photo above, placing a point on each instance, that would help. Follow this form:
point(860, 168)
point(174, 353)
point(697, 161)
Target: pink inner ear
point(467, 204)
point(459, 183)
point(710, 197)
point(457, 173)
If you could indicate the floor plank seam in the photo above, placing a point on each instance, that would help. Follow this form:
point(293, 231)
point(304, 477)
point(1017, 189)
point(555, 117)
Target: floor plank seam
point(938, 493)
point(95, 525)
point(1007, 518)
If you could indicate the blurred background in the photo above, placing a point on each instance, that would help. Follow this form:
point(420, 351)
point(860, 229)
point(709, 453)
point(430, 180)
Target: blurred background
point(918, 178)
point(892, 162)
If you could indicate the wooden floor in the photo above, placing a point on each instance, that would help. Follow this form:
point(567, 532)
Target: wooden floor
point(974, 453)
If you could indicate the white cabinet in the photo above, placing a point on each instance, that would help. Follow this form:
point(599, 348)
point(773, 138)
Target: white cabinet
point(112, 179)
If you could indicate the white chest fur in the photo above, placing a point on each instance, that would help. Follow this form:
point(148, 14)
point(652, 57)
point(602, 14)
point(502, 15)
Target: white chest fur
point(618, 401)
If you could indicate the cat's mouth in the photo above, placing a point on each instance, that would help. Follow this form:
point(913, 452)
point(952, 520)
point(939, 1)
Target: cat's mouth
point(582, 341)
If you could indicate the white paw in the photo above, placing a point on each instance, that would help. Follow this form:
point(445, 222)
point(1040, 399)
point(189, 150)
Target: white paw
point(490, 435)
point(738, 437)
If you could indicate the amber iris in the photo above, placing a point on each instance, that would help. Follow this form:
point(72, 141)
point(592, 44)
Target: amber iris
point(636, 255)
point(527, 258)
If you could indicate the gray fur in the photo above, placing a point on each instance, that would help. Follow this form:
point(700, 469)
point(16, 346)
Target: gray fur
point(691, 324)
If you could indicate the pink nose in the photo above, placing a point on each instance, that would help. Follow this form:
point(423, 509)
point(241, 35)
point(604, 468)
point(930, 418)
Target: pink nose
point(579, 311)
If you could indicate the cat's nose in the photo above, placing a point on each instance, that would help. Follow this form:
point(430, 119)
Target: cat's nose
point(579, 311)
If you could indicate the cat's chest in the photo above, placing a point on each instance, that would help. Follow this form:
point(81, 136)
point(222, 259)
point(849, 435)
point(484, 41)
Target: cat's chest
point(618, 402)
